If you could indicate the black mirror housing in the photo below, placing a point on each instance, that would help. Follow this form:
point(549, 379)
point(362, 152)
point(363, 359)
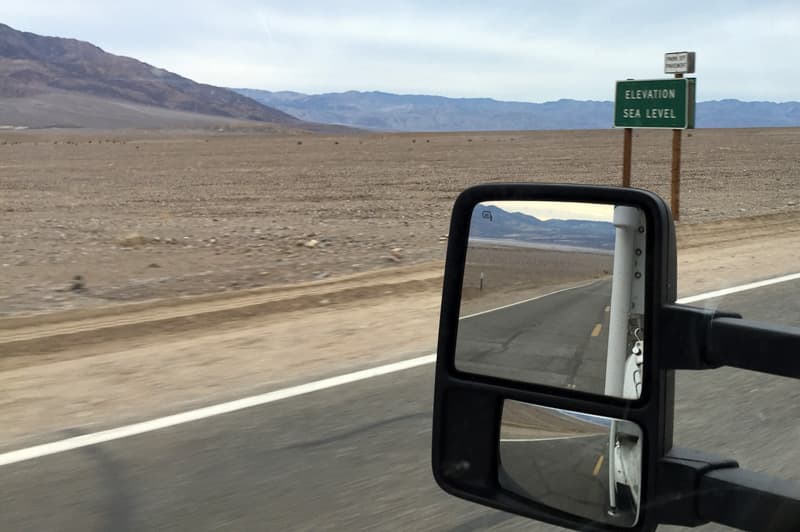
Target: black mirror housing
point(468, 407)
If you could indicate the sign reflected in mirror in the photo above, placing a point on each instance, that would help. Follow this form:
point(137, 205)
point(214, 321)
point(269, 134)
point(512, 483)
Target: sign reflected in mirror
point(553, 294)
point(589, 466)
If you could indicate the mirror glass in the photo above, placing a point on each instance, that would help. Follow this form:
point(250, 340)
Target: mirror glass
point(553, 294)
point(589, 466)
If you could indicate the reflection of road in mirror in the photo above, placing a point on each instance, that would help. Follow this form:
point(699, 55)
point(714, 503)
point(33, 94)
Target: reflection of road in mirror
point(497, 274)
point(561, 459)
point(552, 294)
point(559, 339)
point(518, 250)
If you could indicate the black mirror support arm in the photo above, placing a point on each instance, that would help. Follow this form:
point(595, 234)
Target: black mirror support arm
point(680, 474)
point(745, 344)
point(686, 333)
point(749, 501)
point(693, 487)
point(706, 339)
point(697, 488)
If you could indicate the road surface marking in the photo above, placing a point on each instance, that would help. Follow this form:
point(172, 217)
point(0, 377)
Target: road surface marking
point(740, 288)
point(549, 438)
point(584, 285)
point(597, 329)
point(77, 442)
point(597, 466)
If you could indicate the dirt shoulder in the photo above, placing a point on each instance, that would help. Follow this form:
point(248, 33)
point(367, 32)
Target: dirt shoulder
point(217, 264)
point(719, 254)
point(36, 339)
point(86, 368)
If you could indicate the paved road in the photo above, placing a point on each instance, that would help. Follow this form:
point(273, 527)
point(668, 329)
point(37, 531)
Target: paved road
point(357, 457)
point(566, 474)
point(558, 339)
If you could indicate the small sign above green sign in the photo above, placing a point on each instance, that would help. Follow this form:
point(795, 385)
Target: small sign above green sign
point(655, 103)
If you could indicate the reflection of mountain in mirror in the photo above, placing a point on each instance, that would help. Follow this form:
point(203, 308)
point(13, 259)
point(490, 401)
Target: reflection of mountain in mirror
point(492, 223)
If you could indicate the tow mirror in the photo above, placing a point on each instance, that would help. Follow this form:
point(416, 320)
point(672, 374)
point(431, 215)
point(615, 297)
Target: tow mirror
point(558, 341)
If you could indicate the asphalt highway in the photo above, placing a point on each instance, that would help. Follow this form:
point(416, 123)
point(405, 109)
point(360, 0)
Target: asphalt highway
point(358, 456)
point(568, 474)
point(559, 339)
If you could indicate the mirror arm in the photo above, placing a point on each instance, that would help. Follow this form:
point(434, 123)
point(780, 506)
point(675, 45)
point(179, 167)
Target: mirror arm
point(680, 473)
point(695, 488)
point(745, 344)
point(749, 501)
point(686, 331)
point(698, 338)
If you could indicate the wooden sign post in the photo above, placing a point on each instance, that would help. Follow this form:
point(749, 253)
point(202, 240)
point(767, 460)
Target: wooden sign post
point(659, 104)
point(679, 63)
point(675, 187)
point(627, 150)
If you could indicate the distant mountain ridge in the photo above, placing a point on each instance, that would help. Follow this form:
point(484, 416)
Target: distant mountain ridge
point(492, 222)
point(35, 67)
point(396, 112)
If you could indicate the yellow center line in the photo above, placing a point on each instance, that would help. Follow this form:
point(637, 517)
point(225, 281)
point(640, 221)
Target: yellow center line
point(598, 465)
point(597, 329)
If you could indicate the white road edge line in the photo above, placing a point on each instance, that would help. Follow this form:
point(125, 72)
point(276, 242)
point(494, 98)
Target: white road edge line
point(740, 288)
point(514, 304)
point(127, 431)
point(550, 438)
point(69, 444)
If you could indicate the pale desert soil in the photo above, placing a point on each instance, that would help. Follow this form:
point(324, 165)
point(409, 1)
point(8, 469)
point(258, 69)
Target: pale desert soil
point(144, 214)
point(512, 274)
point(97, 366)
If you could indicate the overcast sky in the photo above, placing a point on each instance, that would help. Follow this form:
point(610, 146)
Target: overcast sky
point(517, 50)
point(546, 210)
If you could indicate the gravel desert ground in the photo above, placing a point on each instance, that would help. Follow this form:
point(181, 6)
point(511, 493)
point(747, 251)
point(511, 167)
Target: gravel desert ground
point(151, 214)
point(216, 263)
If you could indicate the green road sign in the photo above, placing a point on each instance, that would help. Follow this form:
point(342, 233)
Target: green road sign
point(655, 103)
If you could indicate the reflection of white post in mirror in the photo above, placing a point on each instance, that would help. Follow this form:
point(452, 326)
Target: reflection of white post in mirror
point(625, 343)
point(627, 221)
point(556, 457)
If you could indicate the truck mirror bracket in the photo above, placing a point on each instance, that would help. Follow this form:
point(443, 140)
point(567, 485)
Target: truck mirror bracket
point(695, 488)
point(686, 333)
point(698, 338)
point(680, 474)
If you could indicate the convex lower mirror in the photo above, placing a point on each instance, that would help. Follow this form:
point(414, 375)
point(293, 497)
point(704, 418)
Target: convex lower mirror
point(590, 466)
point(553, 294)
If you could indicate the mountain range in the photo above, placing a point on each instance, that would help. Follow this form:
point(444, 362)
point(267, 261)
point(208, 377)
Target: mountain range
point(60, 82)
point(53, 81)
point(397, 112)
point(495, 223)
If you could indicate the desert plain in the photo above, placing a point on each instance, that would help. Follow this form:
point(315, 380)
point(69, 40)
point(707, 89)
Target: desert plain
point(148, 271)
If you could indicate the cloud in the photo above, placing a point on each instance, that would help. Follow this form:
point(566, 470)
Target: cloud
point(517, 50)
